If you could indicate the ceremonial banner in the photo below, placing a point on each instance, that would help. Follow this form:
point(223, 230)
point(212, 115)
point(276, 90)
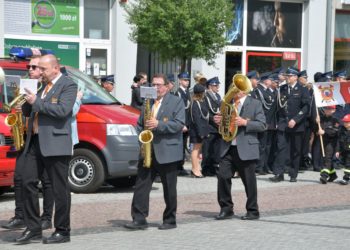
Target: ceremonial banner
point(331, 93)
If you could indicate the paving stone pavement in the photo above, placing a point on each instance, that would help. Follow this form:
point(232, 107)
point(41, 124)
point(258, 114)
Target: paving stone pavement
point(302, 215)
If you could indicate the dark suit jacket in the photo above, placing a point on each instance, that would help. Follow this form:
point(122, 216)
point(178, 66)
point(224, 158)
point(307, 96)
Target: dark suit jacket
point(247, 136)
point(54, 118)
point(167, 137)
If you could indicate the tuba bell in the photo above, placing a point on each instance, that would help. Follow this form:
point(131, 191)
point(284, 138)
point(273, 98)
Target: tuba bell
point(227, 127)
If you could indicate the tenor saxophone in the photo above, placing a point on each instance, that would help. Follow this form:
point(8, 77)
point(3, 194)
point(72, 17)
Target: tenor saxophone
point(146, 137)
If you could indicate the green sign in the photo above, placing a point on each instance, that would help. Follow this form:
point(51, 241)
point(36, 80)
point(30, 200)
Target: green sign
point(66, 52)
point(55, 17)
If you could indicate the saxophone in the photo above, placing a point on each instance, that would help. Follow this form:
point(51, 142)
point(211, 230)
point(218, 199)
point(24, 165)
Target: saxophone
point(227, 128)
point(146, 137)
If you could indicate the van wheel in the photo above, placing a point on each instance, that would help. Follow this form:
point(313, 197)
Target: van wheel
point(86, 173)
point(123, 182)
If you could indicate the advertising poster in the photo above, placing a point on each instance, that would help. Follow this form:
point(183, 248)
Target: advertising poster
point(67, 52)
point(49, 17)
point(274, 24)
point(234, 35)
point(55, 17)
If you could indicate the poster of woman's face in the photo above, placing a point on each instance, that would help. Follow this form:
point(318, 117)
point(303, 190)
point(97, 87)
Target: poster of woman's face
point(274, 24)
point(234, 35)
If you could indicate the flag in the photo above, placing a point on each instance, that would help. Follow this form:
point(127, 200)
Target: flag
point(331, 93)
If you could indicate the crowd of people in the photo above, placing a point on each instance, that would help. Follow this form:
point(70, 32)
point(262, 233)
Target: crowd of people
point(276, 128)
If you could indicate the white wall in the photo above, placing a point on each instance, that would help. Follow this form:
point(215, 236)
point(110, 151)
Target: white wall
point(210, 71)
point(125, 53)
point(314, 37)
point(2, 12)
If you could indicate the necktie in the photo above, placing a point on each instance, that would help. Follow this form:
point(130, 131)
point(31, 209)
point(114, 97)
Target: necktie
point(290, 89)
point(35, 121)
point(155, 108)
point(47, 89)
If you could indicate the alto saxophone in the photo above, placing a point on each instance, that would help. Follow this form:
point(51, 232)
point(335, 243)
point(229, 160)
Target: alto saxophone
point(146, 137)
point(15, 120)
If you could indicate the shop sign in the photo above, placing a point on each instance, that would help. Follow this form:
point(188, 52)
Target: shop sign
point(289, 56)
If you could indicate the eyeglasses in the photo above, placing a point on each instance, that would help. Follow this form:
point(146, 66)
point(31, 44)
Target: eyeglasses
point(32, 67)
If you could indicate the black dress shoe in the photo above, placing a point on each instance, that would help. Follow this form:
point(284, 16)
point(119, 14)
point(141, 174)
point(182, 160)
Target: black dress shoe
point(57, 237)
point(225, 215)
point(29, 237)
point(14, 223)
point(277, 178)
point(166, 226)
point(293, 179)
point(46, 224)
point(251, 216)
point(136, 225)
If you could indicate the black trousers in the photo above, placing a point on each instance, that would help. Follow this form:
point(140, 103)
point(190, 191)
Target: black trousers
point(246, 169)
point(180, 164)
point(57, 170)
point(48, 200)
point(210, 153)
point(288, 153)
point(145, 178)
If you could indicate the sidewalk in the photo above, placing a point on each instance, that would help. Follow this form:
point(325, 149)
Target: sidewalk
point(302, 215)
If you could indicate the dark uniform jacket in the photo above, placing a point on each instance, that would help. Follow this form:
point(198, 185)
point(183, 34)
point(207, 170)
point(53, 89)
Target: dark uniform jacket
point(212, 102)
point(136, 100)
point(268, 100)
point(186, 97)
point(199, 126)
point(293, 104)
point(343, 145)
point(330, 125)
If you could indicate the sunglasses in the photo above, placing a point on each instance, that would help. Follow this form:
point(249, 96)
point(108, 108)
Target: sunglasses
point(33, 67)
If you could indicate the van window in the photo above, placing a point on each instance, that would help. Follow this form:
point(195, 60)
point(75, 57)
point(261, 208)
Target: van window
point(93, 92)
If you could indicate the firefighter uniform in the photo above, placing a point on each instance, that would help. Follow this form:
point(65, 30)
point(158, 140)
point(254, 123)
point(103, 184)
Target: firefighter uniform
point(330, 125)
point(293, 101)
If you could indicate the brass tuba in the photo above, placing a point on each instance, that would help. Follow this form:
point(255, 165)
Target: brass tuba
point(227, 128)
point(146, 137)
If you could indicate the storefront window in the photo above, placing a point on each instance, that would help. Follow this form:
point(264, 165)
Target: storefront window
point(96, 62)
point(96, 19)
point(342, 41)
point(268, 61)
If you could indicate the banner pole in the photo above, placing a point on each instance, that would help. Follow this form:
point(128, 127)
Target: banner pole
point(319, 127)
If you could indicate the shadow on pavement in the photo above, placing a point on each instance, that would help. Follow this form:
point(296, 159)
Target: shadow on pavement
point(9, 236)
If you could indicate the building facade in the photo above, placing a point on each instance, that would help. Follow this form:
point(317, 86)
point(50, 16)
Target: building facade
point(265, 34)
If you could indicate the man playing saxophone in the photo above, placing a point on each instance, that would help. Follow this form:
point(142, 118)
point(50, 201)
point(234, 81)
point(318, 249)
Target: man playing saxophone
point(166, 122)
point(17, 221)
point(241, 151)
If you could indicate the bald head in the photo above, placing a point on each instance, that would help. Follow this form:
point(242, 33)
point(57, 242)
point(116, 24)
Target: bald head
point(50, 67)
